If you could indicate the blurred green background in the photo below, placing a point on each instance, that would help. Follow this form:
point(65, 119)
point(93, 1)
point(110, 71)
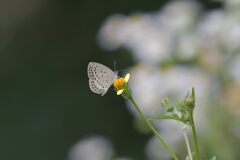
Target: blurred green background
point(46, 104)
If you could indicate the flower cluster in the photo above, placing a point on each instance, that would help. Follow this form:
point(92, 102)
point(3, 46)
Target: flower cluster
point(180, 111)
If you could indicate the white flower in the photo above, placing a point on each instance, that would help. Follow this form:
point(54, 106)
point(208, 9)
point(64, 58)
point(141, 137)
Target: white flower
point(92, 148)
point(140, 34)
point(231, 32)
point(210, 28)
point(147, 41)
point(188, 46)
point(152, 46)
point(178, 16)
point(112, 34)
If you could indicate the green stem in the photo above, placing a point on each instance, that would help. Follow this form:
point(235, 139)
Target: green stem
point(149, 124)
point(195, 139)
point(187, 144)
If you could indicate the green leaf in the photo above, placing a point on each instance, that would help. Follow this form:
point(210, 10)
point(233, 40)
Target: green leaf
point(181, 106)
point(168, 105)
point(193, 93)
point(167, 117)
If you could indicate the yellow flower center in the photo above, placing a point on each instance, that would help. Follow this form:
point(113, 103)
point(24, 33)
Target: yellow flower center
point(119, 83)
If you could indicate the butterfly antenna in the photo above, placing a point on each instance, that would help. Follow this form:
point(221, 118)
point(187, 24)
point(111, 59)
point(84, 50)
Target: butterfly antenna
point(115, 70)
point(114, 65)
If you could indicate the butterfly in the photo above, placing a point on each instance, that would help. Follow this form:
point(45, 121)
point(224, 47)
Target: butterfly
point(100, 77)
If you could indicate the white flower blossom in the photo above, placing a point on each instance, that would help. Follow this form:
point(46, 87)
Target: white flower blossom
point(112, 35)
point(91, 148)
point(188, 46)
point(178, 16)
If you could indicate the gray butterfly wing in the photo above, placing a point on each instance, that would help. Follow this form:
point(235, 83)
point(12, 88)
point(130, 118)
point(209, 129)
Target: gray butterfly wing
point(100, 77)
